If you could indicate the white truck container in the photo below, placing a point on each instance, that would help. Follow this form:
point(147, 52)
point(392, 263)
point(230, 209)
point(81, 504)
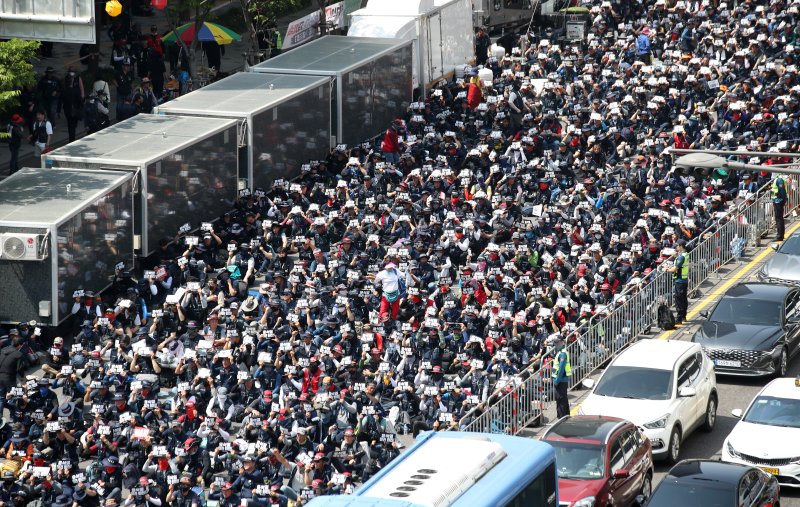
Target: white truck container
point(442, 31)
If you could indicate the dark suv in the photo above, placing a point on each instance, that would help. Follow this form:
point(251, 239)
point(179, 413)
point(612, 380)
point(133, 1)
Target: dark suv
point(703, 483)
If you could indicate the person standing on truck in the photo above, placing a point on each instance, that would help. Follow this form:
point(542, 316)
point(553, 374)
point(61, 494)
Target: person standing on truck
point(482, 43)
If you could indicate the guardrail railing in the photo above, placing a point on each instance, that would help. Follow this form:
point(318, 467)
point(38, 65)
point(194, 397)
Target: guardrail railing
point(529, 397)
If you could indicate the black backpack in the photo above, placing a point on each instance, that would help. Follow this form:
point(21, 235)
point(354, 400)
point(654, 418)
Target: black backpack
point(91, 116)
point(666, 320)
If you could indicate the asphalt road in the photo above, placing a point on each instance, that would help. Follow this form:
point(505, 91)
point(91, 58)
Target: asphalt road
point(733, 393)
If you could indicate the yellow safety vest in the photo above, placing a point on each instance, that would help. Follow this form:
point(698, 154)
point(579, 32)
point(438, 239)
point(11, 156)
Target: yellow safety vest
point(683, 273)
point(567, 366)
point(775, 190)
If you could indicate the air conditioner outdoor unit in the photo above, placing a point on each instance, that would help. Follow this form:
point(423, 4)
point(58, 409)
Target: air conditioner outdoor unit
point(20, 247)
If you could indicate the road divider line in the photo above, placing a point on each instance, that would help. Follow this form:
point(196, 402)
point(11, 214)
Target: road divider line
point(708, 298)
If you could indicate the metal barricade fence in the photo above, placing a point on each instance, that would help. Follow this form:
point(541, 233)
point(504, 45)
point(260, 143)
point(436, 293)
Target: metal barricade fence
point(513, 407)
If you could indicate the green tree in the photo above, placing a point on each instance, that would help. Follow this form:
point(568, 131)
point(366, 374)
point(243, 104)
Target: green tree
point(16, 71)
point(262, 15)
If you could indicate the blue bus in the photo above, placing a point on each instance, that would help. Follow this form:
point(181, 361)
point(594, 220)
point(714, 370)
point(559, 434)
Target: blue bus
point(453, 469)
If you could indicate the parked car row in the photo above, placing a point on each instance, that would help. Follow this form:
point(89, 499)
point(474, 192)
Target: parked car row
point(656, 393)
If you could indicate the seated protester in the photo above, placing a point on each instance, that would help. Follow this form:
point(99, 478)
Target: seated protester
point(98, 393)
point(193, 461)
point(36, 426)
point(182, 494)
point(300, 444)
point(56, 359)
point(160, 468)
point(19, 407)
point(144, 363)
point(143, 494)
point(19, 448)
point(224, 495)
point(98, 440)
point(9, 487)
point(109, 481)
point(318, 474)
point(351, 455)
point(220, 406)
point(249, 477)
point(44, 398)
point(142, 394)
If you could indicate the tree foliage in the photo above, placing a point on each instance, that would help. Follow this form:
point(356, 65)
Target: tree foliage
point(263, 13)
point(16, 70)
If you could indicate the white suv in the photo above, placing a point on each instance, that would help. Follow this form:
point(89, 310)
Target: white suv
point(667, 388)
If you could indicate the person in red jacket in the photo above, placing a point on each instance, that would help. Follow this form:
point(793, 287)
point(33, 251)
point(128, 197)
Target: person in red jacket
point(391, 142)
point(474, 90)
point(679, 137)
point(311, 376)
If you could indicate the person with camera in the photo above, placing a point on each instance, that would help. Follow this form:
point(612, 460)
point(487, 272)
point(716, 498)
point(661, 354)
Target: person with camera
point(95, 114)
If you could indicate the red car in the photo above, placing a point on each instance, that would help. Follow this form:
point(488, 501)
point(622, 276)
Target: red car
point(602, 461)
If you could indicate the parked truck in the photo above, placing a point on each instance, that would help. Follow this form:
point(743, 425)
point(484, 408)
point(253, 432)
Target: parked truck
point(442, 31)
point(500, 15)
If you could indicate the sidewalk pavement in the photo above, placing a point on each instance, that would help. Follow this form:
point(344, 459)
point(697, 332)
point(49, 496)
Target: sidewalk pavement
point(66, 55)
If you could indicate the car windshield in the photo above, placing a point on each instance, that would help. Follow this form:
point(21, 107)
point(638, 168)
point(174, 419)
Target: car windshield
point(578, 461)
point(747, 311)
point(636, 383)
point(791, 246)
point(672, 494)
point(774, 412)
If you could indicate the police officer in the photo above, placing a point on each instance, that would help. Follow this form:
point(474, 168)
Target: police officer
point(680, 275)
point(562, 371)
point(778, 194)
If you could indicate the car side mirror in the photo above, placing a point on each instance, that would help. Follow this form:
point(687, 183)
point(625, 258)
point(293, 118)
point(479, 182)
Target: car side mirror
point(687, 392)
point(588, 383)
point(737, 413)
point(704, 314)
point(621, 474)
point(774, 245)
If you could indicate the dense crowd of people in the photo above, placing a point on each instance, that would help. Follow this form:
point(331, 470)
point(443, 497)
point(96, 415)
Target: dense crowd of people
point(400, 286)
